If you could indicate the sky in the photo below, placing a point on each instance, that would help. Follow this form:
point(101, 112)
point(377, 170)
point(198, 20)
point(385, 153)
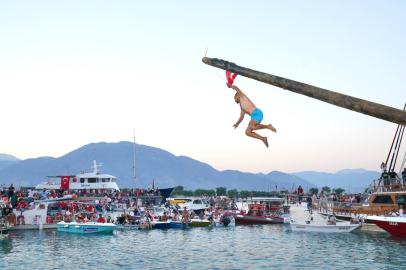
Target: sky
point(77, 72)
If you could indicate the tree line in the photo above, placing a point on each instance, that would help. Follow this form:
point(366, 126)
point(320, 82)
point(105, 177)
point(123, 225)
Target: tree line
point(234, 193)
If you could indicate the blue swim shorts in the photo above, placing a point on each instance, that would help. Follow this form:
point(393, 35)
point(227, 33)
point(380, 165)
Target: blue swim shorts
point(257, 115)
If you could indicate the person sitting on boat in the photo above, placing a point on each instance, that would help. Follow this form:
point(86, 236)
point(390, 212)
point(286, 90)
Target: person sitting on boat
point(164, 218)
point(354, 218)
point(394, 213)
point(121, 219)
point(101, 219)
point(60, 193)
point(333, 219)
point(192, 215)
point(328, 220)
point(142, 210)
point(386, 213)
point(201, 215)
point(6, 213)
point(185, 217)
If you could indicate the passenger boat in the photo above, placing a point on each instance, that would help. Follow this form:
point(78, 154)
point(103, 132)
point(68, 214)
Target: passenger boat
point(37, 218)
point(263, 211)
point(382, 198)
point(84, 180)
point(192, 204)
point(393, 225)
point(310, 226)
point(86, 227)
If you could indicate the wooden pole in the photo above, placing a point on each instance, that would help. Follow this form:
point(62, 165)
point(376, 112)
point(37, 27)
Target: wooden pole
point(355, 104)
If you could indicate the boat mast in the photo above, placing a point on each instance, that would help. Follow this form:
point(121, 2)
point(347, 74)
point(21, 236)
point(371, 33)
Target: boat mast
point(135, 180)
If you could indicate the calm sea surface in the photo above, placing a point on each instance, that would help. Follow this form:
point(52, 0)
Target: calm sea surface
point(241, 247)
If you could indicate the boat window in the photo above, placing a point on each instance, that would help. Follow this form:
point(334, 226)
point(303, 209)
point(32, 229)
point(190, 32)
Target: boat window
point(113, 179)
point(400, 199)
point(383, 200)
point(107, 179)
point(92, 180)
point(197, 202)
point(205, 202)
point(82, 180)
point(103, 179)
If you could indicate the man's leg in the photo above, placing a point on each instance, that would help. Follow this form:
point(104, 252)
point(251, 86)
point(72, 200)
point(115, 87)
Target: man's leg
point(259, 126)
point(249, 132)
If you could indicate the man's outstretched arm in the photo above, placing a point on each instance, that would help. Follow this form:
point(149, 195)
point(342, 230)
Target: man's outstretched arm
point(237, 89)
point(239, 120)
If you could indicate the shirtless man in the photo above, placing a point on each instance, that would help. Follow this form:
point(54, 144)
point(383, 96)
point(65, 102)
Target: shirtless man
point(185, 217)
point(247, 107)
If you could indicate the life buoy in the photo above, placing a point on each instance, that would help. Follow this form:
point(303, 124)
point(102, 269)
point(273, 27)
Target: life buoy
point(80, 219)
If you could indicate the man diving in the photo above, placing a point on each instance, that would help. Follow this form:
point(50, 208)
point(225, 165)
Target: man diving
point(247, 107)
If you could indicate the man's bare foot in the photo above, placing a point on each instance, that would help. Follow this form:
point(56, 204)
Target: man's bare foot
point(272, 128)
point(265, 140)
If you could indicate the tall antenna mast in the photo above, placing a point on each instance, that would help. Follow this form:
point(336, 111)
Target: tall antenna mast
point(135, 180)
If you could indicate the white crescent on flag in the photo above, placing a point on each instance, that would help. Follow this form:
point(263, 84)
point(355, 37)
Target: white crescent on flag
point(230, 77)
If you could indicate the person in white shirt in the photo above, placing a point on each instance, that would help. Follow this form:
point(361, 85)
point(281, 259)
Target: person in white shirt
point(31, 194)
point(394, 213)
point(354, 218)
point(142, 210)
point(402, 212)
point(328, 220)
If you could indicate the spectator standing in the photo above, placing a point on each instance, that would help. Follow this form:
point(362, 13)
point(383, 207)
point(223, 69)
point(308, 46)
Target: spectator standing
point(300, 193)
point(10, 193)
point(393, 175)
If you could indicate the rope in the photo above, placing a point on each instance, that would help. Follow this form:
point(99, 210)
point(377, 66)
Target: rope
point(215, 69)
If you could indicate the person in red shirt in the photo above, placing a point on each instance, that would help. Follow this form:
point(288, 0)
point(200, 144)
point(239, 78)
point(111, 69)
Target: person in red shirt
point(300, 193)
point(101, 219)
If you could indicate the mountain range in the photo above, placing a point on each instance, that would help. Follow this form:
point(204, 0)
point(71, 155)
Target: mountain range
point(166, 169)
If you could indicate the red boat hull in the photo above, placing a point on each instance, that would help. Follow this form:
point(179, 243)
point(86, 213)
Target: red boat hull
point(392, 227)
point(250, 219)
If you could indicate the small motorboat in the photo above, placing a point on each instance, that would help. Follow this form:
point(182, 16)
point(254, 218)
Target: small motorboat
point(310, 226)
point(87, 227)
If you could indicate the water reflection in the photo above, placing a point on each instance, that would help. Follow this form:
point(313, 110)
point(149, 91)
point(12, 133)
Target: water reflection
point(256, 246)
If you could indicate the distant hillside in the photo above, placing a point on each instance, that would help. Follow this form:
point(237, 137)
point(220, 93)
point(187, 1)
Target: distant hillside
point(167, 169)
point(357, 179)
point(6, 163)
point(8, 157)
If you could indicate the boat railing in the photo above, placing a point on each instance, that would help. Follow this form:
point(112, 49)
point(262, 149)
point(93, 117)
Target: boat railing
point(347, 208)
point(388, 185)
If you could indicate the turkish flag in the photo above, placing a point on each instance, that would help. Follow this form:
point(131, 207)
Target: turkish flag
point(65, 182)
point(230, 77)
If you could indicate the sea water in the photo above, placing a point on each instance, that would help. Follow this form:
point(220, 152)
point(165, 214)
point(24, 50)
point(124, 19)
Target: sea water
point(241, 247)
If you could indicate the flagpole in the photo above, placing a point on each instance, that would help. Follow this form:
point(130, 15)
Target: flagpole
point(135, 179)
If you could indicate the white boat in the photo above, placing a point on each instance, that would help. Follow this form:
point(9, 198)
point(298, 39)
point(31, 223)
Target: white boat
point(84, 180)
point(310, 226)
point(127, 226)
point(37, 218)
point(192, 204)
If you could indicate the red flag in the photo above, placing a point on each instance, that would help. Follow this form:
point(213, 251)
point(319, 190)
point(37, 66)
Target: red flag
point(230, 77)
point(65, 182)
point(152, 183)
point(19, 193)
point(251, 194)
point(276, 186)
